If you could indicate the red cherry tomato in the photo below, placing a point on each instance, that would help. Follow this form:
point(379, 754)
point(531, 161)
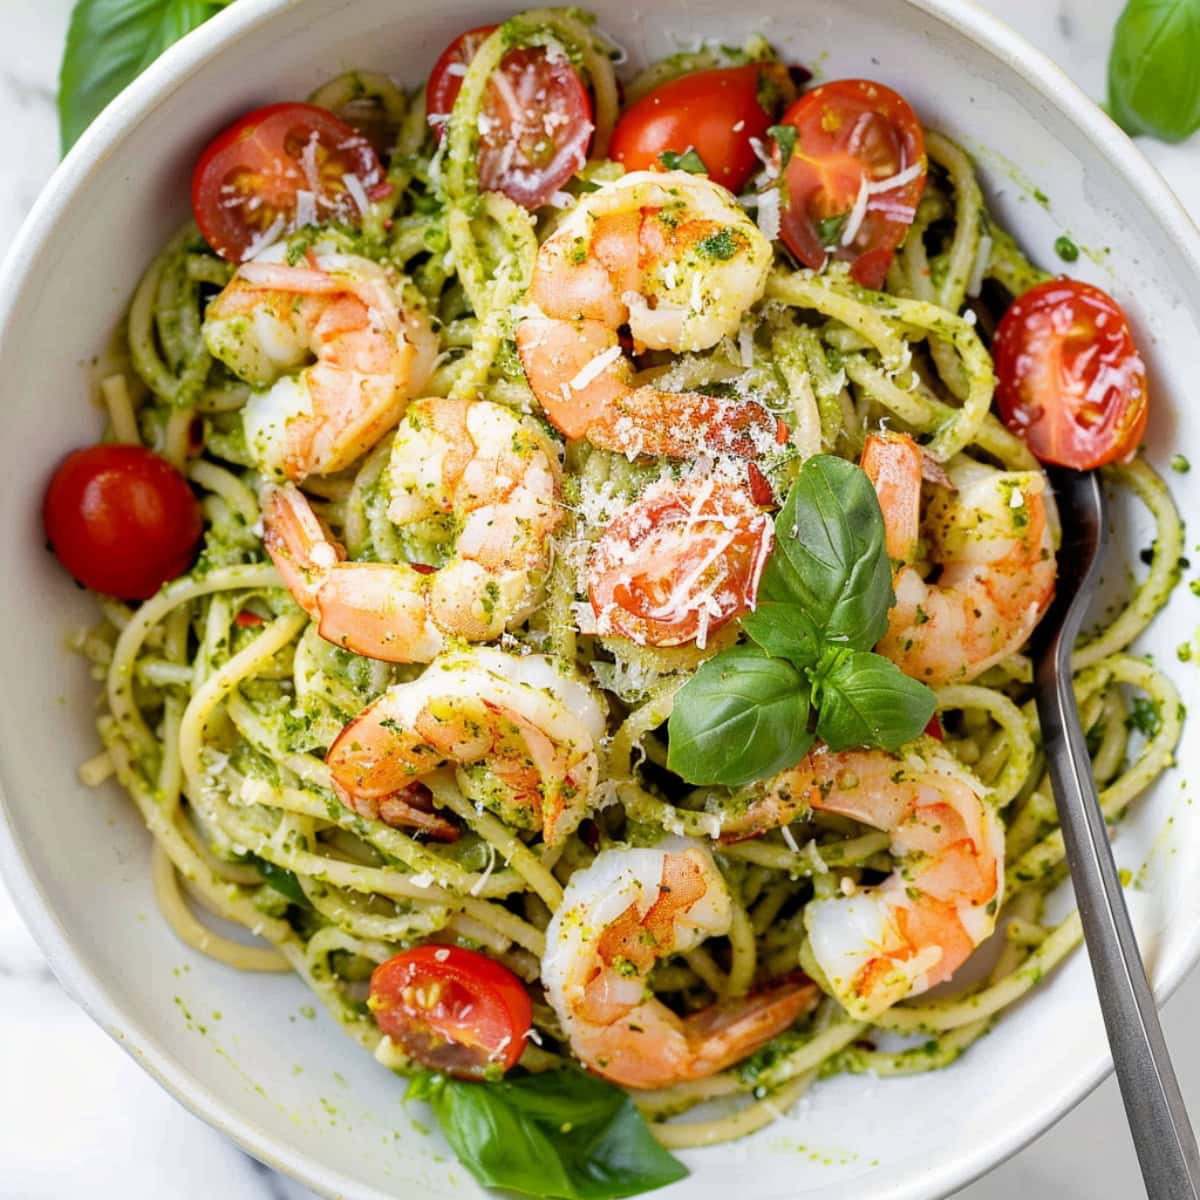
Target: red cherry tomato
point(536, 120)
point(851, 137)
point(715, 113)
point(1070, 380)
point(451, 1009)
point(279, 167)
point(686, 558)
point(121, 520)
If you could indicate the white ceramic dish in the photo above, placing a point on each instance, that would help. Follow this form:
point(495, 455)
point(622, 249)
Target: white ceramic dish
point(293, 1090)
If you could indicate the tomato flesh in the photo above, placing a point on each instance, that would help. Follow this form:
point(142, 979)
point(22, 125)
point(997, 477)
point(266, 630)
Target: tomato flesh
point(122, 520)
point(276, 169)
point(1071, 382)
point(679, 563)
point(715, 113)
point(452, 1009)
point(852, 136)
point(536, 121)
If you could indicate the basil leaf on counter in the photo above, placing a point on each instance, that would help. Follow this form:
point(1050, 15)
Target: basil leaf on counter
point(1154, 69)
point(864, 699)
point(742, 716)
point(562, 1134)
point(110, 43)
point(829, 554)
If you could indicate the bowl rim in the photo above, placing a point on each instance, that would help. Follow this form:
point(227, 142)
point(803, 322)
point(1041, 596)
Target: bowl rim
point(102, 139)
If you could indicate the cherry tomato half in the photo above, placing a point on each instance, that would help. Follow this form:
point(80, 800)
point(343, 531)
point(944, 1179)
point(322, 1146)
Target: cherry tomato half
point(279, 167)
point(122, 520)
point(536, 121)
point(680, 562)
point(1070, 380)
point(452, 1009)
point(852, 137)
point(715, 113)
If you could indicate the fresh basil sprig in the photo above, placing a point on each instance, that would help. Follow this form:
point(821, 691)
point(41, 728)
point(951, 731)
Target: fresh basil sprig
point(562, 1134)
point(809, 672)
point(1153, 77)
point(689, 161)
point(110, 43)
point(785, 138)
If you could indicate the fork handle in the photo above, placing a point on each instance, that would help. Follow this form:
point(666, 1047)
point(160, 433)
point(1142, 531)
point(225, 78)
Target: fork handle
point(1154, 1105)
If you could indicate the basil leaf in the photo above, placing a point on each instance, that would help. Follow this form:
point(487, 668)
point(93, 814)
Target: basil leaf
point(784, 631)
point(785, 139)
point(830, 557)
point(281, 880)
point(560, 1134)
point(688, 161)
point(110, 43)
point(864, 699)
point(742, 716)
point(829, 229)
point(1153, 79)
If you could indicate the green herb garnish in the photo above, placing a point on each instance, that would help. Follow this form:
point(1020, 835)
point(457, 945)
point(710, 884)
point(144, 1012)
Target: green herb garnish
point(562, 1134)
point(688, 161)
point(809, 671)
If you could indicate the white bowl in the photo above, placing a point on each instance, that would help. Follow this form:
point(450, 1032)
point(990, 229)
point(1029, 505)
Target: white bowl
point(293, 1090)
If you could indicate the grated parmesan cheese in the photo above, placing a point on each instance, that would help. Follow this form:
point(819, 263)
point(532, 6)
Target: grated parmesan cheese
point(858, 214)
point(768, 213)
point(746, 346)
point(306, 207)
point(265, 240)
point(358, 193)
point(478, 885)
point(592, 370)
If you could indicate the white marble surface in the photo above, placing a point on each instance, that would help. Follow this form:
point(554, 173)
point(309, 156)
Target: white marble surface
point(77, 1117)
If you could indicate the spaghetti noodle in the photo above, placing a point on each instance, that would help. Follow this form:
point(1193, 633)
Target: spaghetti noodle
point(222, 697)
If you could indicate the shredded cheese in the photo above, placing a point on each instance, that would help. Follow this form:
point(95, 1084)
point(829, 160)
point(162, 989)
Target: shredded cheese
point(306, 207)
point(768, 213)
point(858, 214)
point(358, 193)
point(592, 370)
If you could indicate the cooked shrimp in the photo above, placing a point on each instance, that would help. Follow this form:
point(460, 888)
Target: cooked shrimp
point(989, 535)
point(487, 481)
point(914, 930)
point(626, 911)
point(675, 258)
point(371, 355)
point(520, 731)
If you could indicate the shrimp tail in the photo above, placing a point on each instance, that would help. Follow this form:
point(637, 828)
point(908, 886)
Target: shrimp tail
point(723, 1034)
point(409, 808)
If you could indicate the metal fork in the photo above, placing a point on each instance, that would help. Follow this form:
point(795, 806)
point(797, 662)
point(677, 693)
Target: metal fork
point(1158, 1119)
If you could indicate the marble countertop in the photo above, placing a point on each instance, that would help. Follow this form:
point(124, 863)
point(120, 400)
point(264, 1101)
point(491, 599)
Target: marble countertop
point(77, 1117)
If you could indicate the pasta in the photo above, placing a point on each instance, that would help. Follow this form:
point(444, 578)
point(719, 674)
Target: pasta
point(223, 699)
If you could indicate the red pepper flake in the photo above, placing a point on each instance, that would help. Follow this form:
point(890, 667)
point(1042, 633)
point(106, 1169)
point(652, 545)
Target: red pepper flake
point(761, 491)
point(934, 729)
point(423, 568)
point(248, 620)
point(781, 431)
